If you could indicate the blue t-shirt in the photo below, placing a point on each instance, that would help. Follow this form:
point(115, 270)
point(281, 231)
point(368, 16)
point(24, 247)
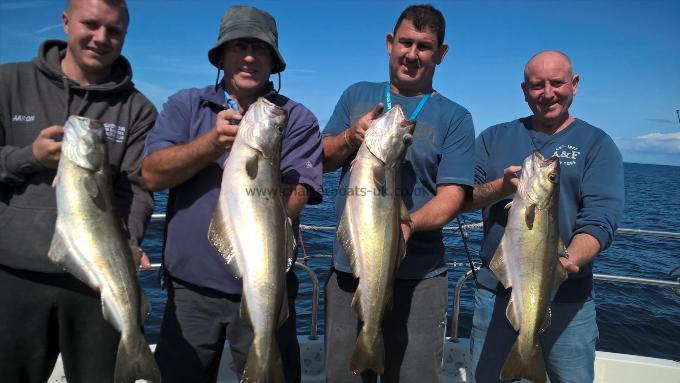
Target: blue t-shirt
point(188, 255)
point(441, 153)
point(591, 188)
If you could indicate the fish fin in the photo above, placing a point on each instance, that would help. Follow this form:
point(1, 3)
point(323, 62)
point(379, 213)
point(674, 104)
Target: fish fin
point(531, 367)
point(404, 215)
point(218, 236)
point(369, 353)
point(62, 254)
point(380, 179)
point(251, 166)
point(345, 239)
point(529, 215)
point(135, 361)
point(356, 303)
point(497, 265)
point(58, 250)
point(264, 365)
point(283, 312)
point(547, 319)
point(90, 185)
point(510, 314)
point(508, 206)
point(56, 179)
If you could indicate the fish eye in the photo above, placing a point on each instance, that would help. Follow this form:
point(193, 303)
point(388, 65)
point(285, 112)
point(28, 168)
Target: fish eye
point(552, 177)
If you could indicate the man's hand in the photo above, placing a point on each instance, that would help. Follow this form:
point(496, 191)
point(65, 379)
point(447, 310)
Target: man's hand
point(45, 149)
point(140, 258)
point(570, 266)
point(406, 230)
point(226, 127)
point(356, 132)
point(510, 178)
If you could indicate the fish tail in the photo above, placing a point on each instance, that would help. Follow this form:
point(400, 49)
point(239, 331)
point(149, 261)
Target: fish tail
point(264, 368)
point(135, 361)
point(369, 352)
point(532, 367)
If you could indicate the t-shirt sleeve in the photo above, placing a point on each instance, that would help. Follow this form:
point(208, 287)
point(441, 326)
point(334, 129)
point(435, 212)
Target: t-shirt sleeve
point(481, 159)
point(339, 120)
point(171, 126)
point(602, 193)
point(457, 161)
point(301, 154)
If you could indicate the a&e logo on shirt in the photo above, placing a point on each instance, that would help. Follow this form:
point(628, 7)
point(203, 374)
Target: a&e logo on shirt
point(567, 154)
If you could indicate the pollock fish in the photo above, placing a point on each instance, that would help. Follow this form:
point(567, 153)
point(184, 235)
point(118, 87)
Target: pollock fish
point(251, 230)
point(527, 261)
point(370, 230)
point(89, 242)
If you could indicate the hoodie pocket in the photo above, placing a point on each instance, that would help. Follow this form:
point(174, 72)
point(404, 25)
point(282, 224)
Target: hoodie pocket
point(25, 237)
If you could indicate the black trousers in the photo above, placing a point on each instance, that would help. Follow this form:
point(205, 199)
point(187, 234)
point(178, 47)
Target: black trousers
point(196, 323)
point(413, 330)
point(44, 314)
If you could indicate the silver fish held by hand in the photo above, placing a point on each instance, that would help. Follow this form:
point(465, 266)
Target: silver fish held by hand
point(370, 230)
point(89, 242)
point(527, 261)
point(251, 230)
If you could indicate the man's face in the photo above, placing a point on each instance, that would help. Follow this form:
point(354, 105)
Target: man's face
point(413, 57)
point(247, 65)
point(96, 33)
point(549, 88)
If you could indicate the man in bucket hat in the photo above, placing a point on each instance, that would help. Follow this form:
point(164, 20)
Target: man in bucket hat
point(185, 153)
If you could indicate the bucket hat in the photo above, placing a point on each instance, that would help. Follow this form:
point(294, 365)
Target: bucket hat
point(247, 22)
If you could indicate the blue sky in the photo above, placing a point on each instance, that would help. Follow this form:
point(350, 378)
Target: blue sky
point(626, 52)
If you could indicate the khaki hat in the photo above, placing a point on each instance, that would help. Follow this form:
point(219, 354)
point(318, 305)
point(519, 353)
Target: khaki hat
point(247, 22)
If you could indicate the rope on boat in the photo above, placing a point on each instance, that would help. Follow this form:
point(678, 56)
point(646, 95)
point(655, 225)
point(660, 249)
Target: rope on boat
point(333, 228)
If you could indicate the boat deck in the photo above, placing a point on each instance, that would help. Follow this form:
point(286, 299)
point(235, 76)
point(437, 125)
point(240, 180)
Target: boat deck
point(609, 367)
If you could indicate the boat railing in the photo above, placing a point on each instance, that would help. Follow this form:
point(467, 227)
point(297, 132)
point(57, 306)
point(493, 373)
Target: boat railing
point(302, 265)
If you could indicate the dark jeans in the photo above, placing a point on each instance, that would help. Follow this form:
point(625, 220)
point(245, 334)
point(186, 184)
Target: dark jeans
point(413, 330)
point(196, 323)
point(44, 314)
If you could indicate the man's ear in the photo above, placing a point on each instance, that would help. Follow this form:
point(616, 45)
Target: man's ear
point(441, 52)
point(64, 21)
point(388, 41)
point(574, 83)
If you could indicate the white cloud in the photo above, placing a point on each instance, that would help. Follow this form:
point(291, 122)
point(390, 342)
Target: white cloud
point(155, 93)
point(47, 28)
point(658, 143)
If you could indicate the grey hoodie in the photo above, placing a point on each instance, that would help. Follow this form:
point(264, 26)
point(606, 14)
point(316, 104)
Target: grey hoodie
point(35, 95)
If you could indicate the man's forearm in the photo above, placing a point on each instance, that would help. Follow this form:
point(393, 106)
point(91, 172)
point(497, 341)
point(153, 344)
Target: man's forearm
point(169, 167)
point(583, 248)
point(336, 149)
point(485, 194)
point(296, 200)
point(438, 211)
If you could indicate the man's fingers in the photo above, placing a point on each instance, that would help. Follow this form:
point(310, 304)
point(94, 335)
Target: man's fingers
point(144, 262)
point(377, 110)
point(229, 114)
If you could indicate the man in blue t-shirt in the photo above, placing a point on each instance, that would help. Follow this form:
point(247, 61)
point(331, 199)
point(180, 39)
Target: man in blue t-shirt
point(590, 207)
point(436, 172)
point(185, 153)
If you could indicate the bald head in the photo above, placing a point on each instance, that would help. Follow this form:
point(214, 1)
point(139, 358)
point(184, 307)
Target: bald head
point(548, 58)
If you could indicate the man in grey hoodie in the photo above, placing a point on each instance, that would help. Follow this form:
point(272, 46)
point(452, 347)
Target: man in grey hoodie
point(45, 310)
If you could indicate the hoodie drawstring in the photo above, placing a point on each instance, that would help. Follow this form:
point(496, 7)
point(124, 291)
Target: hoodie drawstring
point(67, 90)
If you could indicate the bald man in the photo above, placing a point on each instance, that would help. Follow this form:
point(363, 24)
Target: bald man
point(590, 207)
point(45, 310)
